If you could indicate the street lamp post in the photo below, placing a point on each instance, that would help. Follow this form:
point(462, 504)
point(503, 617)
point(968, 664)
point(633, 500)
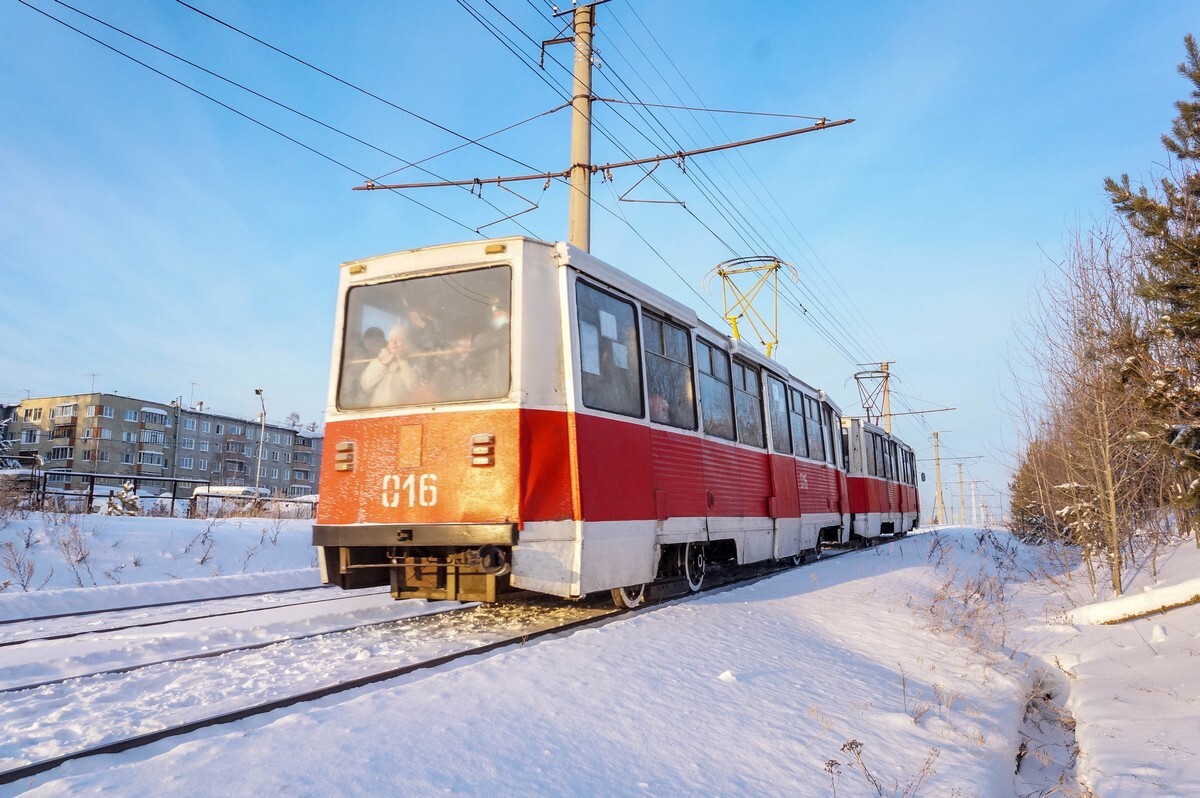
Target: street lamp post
point(262, 433)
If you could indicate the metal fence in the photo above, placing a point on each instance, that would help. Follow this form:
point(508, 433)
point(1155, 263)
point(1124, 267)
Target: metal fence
point(164, 496)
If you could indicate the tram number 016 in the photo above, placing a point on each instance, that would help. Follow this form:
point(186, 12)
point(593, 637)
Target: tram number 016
point(415, 489)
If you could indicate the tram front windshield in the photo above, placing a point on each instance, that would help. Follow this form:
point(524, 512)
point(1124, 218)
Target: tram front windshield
point(427, 340)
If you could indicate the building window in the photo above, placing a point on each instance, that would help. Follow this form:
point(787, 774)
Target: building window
point(274, 473)
point(153, 436)
point(69, 410)
point(202, 465)
point(91, 411)
point(131, 415)
point(108, 412)
point(287, 473)
point(154, 417)
point(274, 456)
point(189, 424)
point(62, 453)
point(262, 471)
point(87, 433)
point(206, 426)
point(151, 458)
point(103, 456)
point(126, 458)
point(128, 437)
point(204, 446)
point(187, 443)
point(287, 440)
point(287, 457)
point(275, 437)
point(301, 476)
point(30, 435)
point(185, 463)
point(105, 434)
point(220, 429)
point(234, 429)
point(33, 414)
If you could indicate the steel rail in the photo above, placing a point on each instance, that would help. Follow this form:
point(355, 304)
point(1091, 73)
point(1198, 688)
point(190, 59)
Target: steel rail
point(106, 629)
point(81, 613)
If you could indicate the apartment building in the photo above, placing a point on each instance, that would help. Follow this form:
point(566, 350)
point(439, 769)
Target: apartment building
point(109, 434)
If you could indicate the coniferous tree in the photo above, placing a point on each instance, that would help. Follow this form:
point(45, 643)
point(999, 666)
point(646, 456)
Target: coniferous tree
point(1165, 366)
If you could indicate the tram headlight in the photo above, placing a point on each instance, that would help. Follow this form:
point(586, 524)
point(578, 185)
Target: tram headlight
point(483, 449)
point(343, 458)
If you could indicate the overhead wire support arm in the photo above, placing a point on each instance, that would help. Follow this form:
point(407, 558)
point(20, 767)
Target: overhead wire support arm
point(566, 173)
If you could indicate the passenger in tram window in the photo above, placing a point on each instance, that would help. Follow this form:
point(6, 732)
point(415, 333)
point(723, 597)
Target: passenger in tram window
point(389, 379)
point(660, 409)
point(373, 343)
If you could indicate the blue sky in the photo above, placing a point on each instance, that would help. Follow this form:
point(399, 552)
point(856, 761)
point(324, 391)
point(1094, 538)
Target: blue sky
point(158, 240)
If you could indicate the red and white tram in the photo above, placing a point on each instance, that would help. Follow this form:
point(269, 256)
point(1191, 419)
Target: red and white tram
point(882, 481)
point(518, 413)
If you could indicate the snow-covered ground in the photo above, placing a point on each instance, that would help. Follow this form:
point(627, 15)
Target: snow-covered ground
point(925, 667)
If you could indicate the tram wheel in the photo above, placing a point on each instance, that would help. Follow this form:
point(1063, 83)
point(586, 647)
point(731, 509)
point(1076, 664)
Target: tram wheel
point(695, 565)
point(626, 598)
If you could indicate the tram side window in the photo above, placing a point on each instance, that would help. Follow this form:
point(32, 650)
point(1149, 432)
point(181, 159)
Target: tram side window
point(748, 412)
point(827, 426)
point(799, 436)
point(879, 457)
point(781, 437)
point(812, 414)
point(669, 373)
point(845, 449)
point(870, 453)
point(609, 368)
point(894, 460)
point(716, 400)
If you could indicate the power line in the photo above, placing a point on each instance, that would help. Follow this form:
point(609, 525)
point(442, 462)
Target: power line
point(228, 107)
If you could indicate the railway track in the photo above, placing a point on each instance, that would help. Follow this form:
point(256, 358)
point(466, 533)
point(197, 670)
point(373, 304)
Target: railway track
point(174, 695)
point(61, 627)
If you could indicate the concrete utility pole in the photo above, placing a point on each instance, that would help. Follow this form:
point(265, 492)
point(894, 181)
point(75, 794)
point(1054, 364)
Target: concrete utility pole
point(262, 434)
point(887, 398)
point(939, 505)
point(579, 208)
point(962, 497)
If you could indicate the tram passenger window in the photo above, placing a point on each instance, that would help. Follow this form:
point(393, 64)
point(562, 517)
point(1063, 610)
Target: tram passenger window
point(845, 449)
point(609, 367)
point(870, 454)
point(716, 400)
point(812, 416)
point(748, 412)
point(427, 340)
point(799, 435)
point(669, 373)
point(777, 406)
point(827, 428)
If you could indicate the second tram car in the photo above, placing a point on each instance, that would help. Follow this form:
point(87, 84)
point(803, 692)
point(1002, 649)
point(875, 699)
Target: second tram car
point(517, 414)
point(881, 479)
